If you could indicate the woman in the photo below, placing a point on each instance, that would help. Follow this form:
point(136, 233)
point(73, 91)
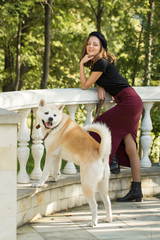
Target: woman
point(124, 117)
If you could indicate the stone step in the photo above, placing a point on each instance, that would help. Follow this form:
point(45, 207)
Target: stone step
point(67, 193)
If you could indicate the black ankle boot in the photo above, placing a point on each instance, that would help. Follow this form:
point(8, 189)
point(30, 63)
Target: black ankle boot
point(135, 193)
point(114, 167)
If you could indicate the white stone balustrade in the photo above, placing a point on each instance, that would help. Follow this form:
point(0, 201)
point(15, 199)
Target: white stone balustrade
point(23, 101)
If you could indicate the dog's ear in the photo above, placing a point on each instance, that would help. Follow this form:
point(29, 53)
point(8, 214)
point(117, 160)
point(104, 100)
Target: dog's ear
point(42, 103)
point(61, 107)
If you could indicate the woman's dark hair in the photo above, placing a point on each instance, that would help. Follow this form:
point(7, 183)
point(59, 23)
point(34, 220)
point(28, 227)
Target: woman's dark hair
point(103, 53)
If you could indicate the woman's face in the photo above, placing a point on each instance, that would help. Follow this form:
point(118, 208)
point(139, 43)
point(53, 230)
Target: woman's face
point(93, 46)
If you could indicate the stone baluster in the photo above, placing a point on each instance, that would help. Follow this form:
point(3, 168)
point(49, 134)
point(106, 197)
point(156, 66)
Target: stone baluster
point(23, 149)
point(89, 108)
point(107, 105)
point(70, 167)
point(146, 139)
point(37, 150)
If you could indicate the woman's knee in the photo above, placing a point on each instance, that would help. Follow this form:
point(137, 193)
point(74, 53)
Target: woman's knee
point(129, 150)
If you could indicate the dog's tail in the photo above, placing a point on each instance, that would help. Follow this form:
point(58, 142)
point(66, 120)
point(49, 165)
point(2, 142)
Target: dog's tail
point(104, 132)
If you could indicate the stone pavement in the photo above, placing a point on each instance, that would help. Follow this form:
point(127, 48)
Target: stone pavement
point(140, 221)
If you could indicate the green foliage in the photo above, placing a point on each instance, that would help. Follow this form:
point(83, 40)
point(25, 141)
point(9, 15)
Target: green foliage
point(71, 21)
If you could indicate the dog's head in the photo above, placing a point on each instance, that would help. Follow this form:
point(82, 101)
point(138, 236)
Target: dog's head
point(49, 115)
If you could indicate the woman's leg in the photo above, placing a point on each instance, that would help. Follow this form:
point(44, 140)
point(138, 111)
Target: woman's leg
point(135, 193)
point(131, 150)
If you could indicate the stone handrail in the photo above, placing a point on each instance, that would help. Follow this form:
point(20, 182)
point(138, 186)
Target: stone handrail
point(23, 101)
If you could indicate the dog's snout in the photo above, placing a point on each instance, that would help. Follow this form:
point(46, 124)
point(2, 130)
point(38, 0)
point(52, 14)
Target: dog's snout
point(50, 119)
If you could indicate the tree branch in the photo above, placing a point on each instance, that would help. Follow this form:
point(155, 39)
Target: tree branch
point(92, 8)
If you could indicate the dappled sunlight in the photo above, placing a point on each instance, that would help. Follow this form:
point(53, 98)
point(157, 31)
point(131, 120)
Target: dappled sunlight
point(129, 220)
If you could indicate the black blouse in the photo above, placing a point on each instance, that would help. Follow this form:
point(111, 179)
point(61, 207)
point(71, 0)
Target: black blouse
point(111, 80)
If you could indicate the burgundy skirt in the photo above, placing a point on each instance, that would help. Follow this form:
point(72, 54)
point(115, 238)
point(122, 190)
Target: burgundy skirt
point(122, 119)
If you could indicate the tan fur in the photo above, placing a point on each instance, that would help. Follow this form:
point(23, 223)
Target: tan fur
point(67, 140)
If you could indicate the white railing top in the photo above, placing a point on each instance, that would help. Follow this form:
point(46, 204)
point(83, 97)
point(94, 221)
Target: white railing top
point(30, 98)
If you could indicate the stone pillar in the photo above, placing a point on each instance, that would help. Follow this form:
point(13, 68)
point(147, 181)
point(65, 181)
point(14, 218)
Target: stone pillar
point(70, 167)
point(107, 106)
point(8, 174)
point(23, 149)
point(37, 151)
point(89, 108)
point(146, 139)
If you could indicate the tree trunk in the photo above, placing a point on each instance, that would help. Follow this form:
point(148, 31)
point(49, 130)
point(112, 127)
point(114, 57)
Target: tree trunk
point(147, 73)
point(47, 44)
point(98, 14)
point(137, 56)
point(9, 69)
point(18, 58)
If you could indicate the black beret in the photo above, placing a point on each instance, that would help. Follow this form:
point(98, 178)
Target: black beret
point(101, 38)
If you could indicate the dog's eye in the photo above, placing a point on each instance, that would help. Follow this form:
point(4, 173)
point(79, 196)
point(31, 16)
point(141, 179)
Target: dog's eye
point(54, 115)
point(46, 113)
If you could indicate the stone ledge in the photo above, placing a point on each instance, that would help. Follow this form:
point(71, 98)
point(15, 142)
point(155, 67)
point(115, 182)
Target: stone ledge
point(26, 190)
point(67, 193)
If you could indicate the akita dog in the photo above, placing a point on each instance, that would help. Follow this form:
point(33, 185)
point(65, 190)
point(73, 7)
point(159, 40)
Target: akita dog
point(65, 139)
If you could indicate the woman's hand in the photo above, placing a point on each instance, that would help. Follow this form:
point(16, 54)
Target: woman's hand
point(86, 59)
point(101, 93)
point(86, 83)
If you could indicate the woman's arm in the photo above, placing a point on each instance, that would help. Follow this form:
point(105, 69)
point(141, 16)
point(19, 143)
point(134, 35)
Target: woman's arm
point(86, 83)
point(101, 93)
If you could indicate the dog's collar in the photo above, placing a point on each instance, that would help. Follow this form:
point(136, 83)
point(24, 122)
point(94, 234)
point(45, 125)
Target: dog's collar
point(38, 126)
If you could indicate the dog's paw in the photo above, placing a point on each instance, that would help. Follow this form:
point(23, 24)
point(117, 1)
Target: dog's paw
point(36, 185)
point(107, 219)
point(55, 178)
point(92, 224)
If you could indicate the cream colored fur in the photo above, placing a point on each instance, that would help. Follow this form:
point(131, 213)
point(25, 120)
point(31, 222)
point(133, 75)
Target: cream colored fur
point(67, 140)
